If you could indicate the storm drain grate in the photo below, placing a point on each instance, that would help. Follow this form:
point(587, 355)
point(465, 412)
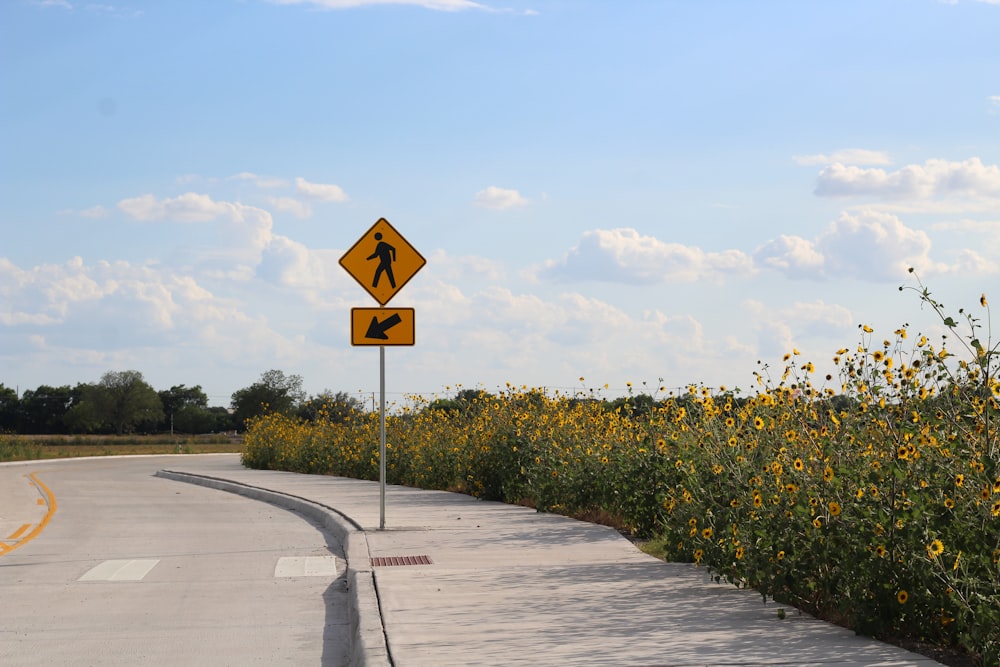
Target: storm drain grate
point(383, 561)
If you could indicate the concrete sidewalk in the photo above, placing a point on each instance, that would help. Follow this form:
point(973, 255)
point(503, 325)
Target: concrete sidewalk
point(506, 585)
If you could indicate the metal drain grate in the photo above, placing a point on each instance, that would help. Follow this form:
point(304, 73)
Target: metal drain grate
point(384, 561)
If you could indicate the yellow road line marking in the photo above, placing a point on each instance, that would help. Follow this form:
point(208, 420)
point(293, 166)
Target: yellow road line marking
point(49, 498)
point(17, 533)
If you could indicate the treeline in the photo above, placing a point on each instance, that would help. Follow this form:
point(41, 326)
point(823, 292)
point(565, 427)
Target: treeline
point(123, 402)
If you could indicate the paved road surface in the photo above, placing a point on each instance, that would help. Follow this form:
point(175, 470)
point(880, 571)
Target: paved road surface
point(132, 569)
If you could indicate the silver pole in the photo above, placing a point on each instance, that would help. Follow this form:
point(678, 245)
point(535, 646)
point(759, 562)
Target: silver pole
point(381, 449)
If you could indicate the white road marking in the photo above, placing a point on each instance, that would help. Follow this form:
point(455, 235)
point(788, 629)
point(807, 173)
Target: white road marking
point(120, 570)
point(306, 566)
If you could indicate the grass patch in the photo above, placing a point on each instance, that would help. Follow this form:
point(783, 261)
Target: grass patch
point(30, 447)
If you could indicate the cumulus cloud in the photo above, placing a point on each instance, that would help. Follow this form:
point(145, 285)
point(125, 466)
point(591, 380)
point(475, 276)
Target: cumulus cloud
point(299, 209)
point(465, 268)
point(792, 255)
point(137, 297)
point(121, 314)
point(499, 198)
point(780, 329)
point(933, 179)
point(867, 245)
point(309, 271)
point(245, 231)
point(320, 191)
point(624, 255)
point(539, 339)
point(845, 156)
point(994, 100)
point(188, 207)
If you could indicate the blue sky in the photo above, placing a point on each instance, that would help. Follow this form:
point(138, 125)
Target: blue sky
point(644, 191)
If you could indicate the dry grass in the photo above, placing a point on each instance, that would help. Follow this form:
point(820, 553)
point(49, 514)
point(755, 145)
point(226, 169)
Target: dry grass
point(35, 447)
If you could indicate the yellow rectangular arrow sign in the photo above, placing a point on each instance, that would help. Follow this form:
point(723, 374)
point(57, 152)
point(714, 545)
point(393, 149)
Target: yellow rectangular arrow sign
point(382, 326)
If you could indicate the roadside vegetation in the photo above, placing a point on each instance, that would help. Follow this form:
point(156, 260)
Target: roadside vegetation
point(870, 497)
point(25, 447)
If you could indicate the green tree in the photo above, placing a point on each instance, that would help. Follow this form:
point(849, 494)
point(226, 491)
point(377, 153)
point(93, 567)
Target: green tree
point(123, 399)
point(274, 392)
point(44, 410)
point(338, 408)
point(183, 408)
point(9, 404)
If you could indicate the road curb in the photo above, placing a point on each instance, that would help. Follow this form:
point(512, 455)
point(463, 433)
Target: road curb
point(368, 643)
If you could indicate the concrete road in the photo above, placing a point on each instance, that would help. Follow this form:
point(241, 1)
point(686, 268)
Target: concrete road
point(101, 563)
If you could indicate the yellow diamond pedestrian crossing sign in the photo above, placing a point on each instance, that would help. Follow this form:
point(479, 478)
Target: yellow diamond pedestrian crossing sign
point(382, 261)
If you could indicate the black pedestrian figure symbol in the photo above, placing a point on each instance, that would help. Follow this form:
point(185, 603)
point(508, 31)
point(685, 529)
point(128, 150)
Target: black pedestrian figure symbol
point(386, 255)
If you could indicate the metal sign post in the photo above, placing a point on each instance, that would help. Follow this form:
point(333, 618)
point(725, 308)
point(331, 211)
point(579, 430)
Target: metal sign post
point(381, 431)
point(382, 261)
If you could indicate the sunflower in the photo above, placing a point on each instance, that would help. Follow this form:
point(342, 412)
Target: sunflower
point(739, 553)
point(902, 597)
point(935, 548)
point(758, 423)
point(880, 551)
point(834, 508)
point(798, 465)
point(698, 553)
point(827, 474)
point(707, 533)
point(996, 508)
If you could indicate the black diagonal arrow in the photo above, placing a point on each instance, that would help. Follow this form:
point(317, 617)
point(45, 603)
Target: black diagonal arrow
point(377, 329)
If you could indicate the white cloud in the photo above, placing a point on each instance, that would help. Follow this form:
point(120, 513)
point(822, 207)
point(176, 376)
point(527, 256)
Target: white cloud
point(934, 178)
point(466, 268)
point(791, 255)
point(780, 329)
point(121, 314)
point(499, 198)
point(245, 230)
point(867, 245)
point(188, 207)
point(845, 156)
point(538, 340)
point(299, 209)
point(264, 182)
point(94, 212)
point(311, 272)
point(623, 255)
point(994, 100)
point(320, 191)
point(52, 3)
point(440, 5)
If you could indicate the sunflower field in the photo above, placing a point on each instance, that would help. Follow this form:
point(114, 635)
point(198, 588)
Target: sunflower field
point(869, 497)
